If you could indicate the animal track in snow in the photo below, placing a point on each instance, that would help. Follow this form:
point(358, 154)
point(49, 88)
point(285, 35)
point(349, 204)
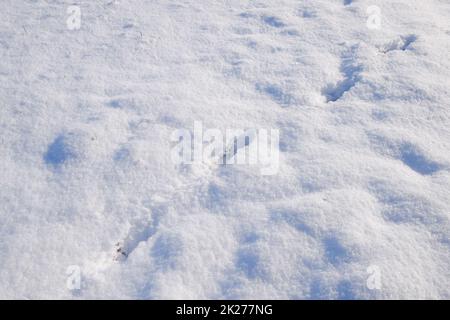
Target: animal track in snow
point(273, 21)
point(141, 231)
point(68, 147)
point(60, 151)
point(336, 253)
point(121, 103)
point(276, 93)
point(248, 262)
point(416, 160)
point(307, 13)
point(269, 20)
point(403, 43)
point(406, 152)
point(351, 72)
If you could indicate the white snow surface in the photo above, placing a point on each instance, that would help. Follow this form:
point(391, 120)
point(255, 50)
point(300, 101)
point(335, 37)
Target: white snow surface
point(85, 122)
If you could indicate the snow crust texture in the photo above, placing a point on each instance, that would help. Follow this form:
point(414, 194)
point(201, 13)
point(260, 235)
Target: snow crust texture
point(360, 206)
